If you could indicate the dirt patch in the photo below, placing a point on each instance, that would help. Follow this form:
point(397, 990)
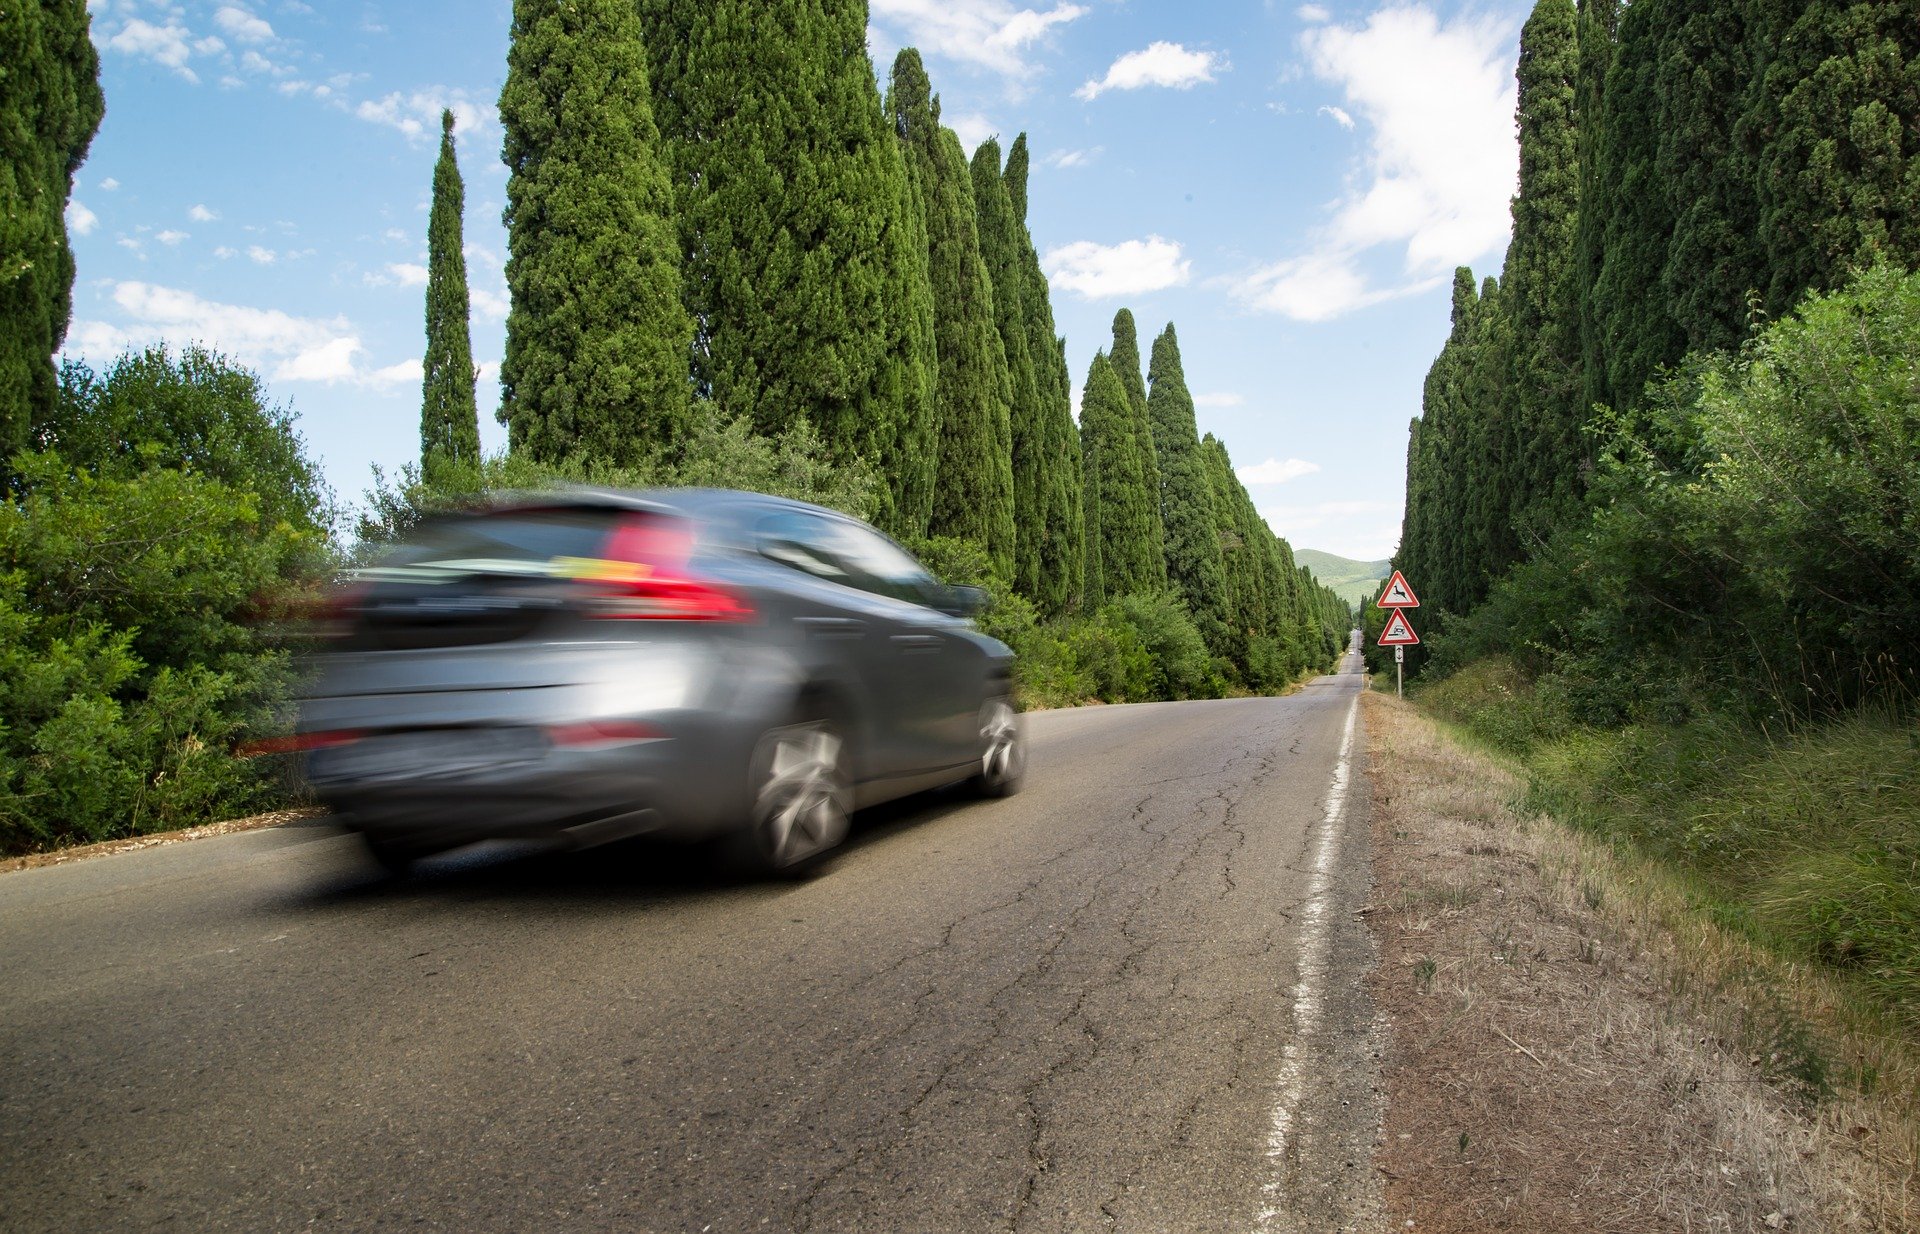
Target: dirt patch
point(107, 848)
point(1553, 1063)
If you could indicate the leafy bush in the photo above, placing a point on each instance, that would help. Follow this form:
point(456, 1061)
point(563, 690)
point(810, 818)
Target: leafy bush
point(1181, 667)
point(131, 571)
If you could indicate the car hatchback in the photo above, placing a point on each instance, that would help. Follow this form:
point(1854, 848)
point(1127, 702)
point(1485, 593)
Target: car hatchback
point(591, 665)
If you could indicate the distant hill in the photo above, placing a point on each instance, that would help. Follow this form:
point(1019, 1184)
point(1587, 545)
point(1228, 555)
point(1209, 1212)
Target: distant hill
point(1357, 582)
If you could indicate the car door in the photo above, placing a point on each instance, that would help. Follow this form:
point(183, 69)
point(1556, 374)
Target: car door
point(937, 671)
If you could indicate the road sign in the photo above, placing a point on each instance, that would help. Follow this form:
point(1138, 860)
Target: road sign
point(1397, 594)
point(1399, 655)
point(1399, 631)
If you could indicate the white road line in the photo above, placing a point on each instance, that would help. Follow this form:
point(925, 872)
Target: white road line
point(1308, 994)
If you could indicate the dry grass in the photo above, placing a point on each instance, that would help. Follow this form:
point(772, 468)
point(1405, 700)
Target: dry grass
point(107, 848)
point(1572, 1048)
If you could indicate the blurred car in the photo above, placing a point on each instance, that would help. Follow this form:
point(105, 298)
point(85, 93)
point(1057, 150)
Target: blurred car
point(592, 665)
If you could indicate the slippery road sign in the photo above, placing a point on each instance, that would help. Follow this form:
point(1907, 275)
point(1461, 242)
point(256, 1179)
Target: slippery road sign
point(1397, 594)
point(1399, 631)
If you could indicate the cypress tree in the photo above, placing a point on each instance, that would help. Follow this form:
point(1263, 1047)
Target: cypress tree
point(1835, 116)
point(973, 499)
point(1240, 574)
point(50, 107)
point(1546, 447)
point(596, 355)
point(1000, 248)
point(1130, 557)
point(1632, 327)
point(1194, 564)
point(449, 417)
point(1598, 20)
point(1062, 546)
point(1125, 359)
point(807, 280)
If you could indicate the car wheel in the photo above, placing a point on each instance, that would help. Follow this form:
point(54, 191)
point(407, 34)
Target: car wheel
point(800, 798)
point(1003, 750)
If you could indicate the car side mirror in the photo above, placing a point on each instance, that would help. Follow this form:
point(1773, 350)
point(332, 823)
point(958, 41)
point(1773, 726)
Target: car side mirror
point(960, 601)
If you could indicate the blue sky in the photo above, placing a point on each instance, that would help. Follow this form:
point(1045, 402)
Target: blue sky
point(1290, 184)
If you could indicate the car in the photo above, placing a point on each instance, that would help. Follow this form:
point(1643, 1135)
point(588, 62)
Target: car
point(590, 665)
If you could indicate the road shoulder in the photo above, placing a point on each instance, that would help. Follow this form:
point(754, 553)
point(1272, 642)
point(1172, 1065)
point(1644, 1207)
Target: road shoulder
point(1546, 1065)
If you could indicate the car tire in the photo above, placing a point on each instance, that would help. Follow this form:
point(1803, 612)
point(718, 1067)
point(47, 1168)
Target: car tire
point(1003, 750)
point(801, 799)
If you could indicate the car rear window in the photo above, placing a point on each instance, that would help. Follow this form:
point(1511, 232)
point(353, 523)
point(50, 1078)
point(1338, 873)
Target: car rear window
point(523, 541)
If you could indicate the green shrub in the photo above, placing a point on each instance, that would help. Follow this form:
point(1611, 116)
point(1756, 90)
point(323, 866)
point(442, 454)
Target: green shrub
point(1181, 667)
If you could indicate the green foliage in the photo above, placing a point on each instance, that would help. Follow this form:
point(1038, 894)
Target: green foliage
point(1063, 538)
point(1123, 499)
point(128, 666)
point(1125, 358)
point(596, 355)
point(195, 411)
point(50, 106)
point(804, 271)
point(1195, 566)
point(1002, 238)
point(449, 418)
point(1182, 667)
point(974, 498)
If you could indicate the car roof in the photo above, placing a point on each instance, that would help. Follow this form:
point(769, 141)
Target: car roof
point(722, 505)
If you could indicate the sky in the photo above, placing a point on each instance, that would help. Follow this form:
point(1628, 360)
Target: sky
point(1291, 185)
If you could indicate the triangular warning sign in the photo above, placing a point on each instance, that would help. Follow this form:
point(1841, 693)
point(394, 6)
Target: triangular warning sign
point(1397, 594)
point(1399, 631)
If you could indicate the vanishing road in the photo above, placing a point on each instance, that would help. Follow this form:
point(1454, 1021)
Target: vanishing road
point(1130, 998)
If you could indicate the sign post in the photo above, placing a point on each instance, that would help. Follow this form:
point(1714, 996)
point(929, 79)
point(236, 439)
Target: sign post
point(1398, 597)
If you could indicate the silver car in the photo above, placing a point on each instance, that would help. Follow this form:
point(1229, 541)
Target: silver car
point(702, 664)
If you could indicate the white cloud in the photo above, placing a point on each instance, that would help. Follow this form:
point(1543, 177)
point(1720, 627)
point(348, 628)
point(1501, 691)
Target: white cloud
point(1436, 102)
point(1339, 114)
point(261, 254)
point(224, 252)
point(285, 347)
point(170, 237)
point(210, 45)
point(406, 372)
point(242, 25)
point(1097, 271)
point(254, 62)
point(130, 244)
point(1275, 471)
point(1313, 14)
point(165, 45)
point(200, 214)
point(1160, 64)
point(972, 129)
point(986, 34)
point(394, 233)
point(80, 220)
point(1073, 158)
point(418, 114)
point(1223, 398)
point(110, 184)
point(397, 274)
point(491, 305)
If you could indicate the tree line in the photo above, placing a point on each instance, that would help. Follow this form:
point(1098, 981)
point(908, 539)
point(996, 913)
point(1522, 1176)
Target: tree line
point(1690, 171)
point(715, 215)
point(732, 262)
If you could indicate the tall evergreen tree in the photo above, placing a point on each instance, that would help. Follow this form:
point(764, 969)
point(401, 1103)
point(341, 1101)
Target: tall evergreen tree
point(596, 355)
point(50, 107)
point(1194, 564)
point(449, 417)
point(1000, 244)
point(1125, 358)
point(1596, 31)
point(807, 281)
point(1063, 546)
point(973, 498)
point(1545, 446)
point(1834, 120)
point(1122, 506)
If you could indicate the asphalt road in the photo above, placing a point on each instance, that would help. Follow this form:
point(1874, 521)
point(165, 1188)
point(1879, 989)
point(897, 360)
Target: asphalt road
point(1128, 998)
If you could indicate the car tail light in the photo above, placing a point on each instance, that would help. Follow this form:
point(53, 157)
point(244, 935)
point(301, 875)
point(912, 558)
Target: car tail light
point(642, 575)
point(601, 733)
point(297, 743)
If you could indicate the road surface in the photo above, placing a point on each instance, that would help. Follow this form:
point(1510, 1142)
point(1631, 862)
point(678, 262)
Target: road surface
point(1129, 998)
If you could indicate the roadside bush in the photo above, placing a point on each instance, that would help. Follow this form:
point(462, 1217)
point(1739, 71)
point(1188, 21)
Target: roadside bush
point(1181, 667)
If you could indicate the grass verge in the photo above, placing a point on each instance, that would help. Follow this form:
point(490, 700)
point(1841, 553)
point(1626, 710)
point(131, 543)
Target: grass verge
point(1575, 1044)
